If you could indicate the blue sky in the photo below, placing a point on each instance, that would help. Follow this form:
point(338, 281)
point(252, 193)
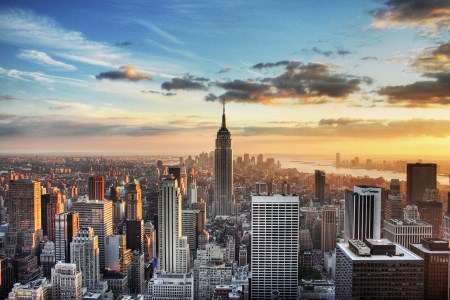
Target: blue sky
point(135, 76)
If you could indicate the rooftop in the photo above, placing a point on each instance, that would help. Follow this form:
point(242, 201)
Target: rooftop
point(407, 222)
point(399, 250)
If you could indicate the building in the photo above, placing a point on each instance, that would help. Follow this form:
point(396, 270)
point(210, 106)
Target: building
point(435, 253)
point(377, 269)
point(134, 201)
point(170, 241)
point(329, 228)
point(84, 252)
point(406, 232)
point(6, 276)
point(48, 259)
point(170, 286)
point(117, 282)
point(207, 276)
point(137, 274)
point(97, 214)
point(223, 172)
point(363, 213)
point(274, 246)
point(66, 226)
point(135, 235)
point(66, 282)
point(96, 188)
point(115, 245)
point(149, 241)
point(432, 213)
point(411, 212)
point(447, 227)
point(55, 206)
point(39, 289)
point(319, 186)
point(24, 217)
point(316, 289)
point(26, 268)
point(201, 207)
point(418, 178)
point(190, 228)
point(394, 203)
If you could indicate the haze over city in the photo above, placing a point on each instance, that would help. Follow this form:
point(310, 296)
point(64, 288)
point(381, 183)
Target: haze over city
point(303, 77)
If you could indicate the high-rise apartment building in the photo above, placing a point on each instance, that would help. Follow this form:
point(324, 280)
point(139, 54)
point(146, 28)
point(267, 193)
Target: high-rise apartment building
point(97, 214)
point(189, 227)
point(134, 201)
point(170, 227)
point(6, 276)
point(171, 286)
point(66, 282)
point(436, 256)
point(66, 226)
point(274, 246)
point(418, 178)
point(363, 213)
point(377, 269)
point(24, 216)
point(319, 186)
point(47, 258)
point(406, 232)
point(84, 252)
point(329, 228)
point(223, 172)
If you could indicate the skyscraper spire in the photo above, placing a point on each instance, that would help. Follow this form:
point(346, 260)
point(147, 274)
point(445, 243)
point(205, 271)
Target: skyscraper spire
point(224, 123)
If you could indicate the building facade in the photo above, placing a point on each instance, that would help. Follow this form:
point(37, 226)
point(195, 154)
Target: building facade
point(66, 282)
point(274, 246)
point(406, 232)
point(418, 178)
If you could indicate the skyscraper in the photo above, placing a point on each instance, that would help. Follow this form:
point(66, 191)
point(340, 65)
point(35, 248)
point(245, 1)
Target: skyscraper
point(418, 178)
point(170, 227)
point(329, 227)
point(319, 187)
point(134, 201)
point(66, 226)
point(363, 213)
point(56, 206)
point(84, 252)
point(223, 172)
point(274, 246)
point(97, 214)
point(24, 216)
point(66, 282)
point(406, 232)
point(96, 188)
point(377, 269)
point(394, 205)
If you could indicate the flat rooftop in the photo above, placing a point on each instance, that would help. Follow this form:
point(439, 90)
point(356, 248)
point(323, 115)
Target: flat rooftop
point(406, 222)
point(407, 255)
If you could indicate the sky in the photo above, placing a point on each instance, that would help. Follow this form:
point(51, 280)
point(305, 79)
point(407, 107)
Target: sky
point(297, 77)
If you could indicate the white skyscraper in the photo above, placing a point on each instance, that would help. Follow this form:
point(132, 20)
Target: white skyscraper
point(84, 252)
point(172, 248)
point(274, 246)
point(66, 282)
point(97, 214)
point(363, 213)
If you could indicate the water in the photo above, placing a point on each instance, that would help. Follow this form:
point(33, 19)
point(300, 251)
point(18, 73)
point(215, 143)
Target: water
point(309, 165)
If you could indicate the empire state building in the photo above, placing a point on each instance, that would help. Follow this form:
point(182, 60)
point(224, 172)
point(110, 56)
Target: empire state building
point(223, 171)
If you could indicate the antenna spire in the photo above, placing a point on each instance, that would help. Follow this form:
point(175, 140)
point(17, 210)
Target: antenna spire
point(224, 124)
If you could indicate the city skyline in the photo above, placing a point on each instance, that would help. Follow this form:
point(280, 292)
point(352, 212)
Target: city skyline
point(297, 77)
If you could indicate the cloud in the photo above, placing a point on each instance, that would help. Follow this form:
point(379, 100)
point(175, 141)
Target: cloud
point(270, 65)
point(322, 52)
point(41, 77)
point(128, 72)
point(369, 58)
point(162, 33)
point(374, 129)
point(150, 92)
point(6, 98)
point(431, 16)
point(434, 60)
point(429, 93)
point(44, 59)
point(343, 52)
point(124, 43)
point(224, 69)
point(186, 83)
point(312, 83)
point(25, 28)
point(338, 122)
